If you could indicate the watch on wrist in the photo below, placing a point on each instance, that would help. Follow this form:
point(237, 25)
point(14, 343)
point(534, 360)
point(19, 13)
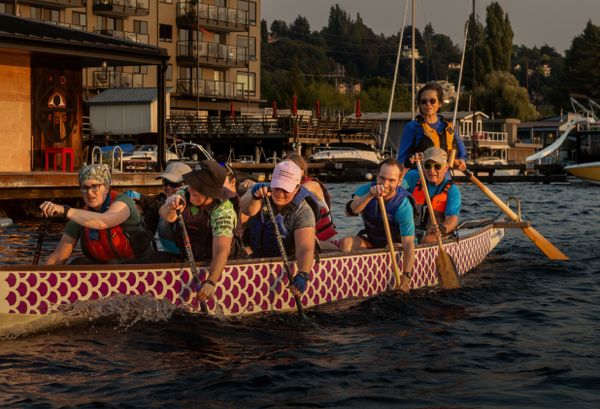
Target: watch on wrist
point(66, 209)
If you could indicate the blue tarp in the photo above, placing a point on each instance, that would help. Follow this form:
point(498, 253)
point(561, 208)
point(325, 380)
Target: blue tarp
point(126, 147)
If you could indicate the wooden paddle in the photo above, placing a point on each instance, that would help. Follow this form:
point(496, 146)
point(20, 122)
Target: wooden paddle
point(190, 256)
point(388, 235)
point(286, 263)
point(540, 241)
point(446, 270)
point(41, 236)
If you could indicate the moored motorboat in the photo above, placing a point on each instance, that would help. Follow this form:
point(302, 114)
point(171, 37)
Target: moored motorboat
point(30, 293)
point(590, 172)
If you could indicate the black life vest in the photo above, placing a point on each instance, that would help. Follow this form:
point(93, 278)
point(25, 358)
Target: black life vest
point(197, 223)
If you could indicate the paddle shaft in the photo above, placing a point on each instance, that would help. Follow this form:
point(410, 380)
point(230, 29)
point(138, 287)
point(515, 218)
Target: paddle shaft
point(388, 236)
point(286, 263)
point(438, 234)
point(540, 241)
point(40, 241)
point(190, 256)
point(448, 275)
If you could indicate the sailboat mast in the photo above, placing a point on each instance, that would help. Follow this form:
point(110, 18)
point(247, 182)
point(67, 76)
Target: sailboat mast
point(412, 54)
point(474, 131)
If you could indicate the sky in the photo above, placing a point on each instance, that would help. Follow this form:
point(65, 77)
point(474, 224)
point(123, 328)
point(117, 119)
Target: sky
point(534, 22)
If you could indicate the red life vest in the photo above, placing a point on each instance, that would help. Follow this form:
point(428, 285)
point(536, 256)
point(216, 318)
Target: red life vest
point(110, 243)
point(438, 202)
point(325, 229)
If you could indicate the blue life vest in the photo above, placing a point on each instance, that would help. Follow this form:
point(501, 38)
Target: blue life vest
point(262, 234)
point(371, 216)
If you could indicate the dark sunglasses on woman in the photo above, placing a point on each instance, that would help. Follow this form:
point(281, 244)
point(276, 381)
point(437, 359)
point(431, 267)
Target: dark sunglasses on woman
point(436, 166)
point(432, 101)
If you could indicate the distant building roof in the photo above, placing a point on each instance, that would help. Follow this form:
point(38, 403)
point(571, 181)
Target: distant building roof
point(125, 96)
point(79, 47)
point(406, 116)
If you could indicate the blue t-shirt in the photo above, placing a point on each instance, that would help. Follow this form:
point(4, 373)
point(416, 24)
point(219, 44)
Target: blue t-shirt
point(454, 199)
point(404, 214)
point(413, 134)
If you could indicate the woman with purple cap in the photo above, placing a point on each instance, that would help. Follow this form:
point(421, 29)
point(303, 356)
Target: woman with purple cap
point(109, 225)
point(210, 217)
point(295, 214)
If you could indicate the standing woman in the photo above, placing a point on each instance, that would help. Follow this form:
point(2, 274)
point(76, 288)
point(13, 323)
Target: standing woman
point(430, 129)
point(109, 225)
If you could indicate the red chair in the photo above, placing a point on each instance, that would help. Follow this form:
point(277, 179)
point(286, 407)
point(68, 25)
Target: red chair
point(64, 153)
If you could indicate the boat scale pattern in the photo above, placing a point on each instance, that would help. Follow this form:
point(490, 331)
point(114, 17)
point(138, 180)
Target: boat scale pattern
point(246, 288)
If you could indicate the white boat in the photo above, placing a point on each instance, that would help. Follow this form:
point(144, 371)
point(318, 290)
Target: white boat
point(590, 172)
point(346, 162)
point(490, 161)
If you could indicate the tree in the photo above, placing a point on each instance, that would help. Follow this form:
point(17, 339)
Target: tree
point(502, 96)
point(582, 70)
point(482, 54)
point(499, 37)
point(300, 28)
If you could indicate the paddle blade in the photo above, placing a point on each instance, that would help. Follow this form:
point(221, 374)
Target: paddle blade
point(544, 245)
point(447, 271)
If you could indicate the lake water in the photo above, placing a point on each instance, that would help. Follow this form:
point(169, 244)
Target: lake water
point(522, 332)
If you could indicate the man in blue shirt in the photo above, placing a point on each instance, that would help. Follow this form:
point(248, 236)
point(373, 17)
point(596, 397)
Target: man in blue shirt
point(444, 194)
point(399, 212)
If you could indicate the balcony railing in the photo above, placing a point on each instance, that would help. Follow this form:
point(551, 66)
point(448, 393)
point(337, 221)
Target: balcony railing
point(117, 79)
point(126, 35)
point(212, 17)
point(121, 8)
point(492, 138)
point(212, 53)
point(209, 88)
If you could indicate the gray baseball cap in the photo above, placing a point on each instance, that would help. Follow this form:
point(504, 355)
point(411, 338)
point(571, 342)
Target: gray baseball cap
point(174, 172)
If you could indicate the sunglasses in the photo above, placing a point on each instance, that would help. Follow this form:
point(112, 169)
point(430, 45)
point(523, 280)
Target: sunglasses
point(432, 101)
point(94, 188)
point(436, 166)
point(168, 183)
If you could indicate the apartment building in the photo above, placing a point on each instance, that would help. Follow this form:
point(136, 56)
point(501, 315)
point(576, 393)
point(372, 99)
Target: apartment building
point(214, 46)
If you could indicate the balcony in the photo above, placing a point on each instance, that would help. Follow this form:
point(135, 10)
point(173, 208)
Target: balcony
point(211, 89)
point(211, 54)
point(206, 16)
point(103, 79)
point(54, 4)
point(126, 35)
point(487, 139)
point(121, 8)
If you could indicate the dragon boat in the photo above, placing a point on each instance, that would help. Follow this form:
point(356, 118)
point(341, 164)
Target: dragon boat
point(30, 293)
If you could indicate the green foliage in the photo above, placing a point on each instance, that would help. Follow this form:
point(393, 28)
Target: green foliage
point(503, 97)
point(499, 37)
point(582, 67)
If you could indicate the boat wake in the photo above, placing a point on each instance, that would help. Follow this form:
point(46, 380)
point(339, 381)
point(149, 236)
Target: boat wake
point(121, 311)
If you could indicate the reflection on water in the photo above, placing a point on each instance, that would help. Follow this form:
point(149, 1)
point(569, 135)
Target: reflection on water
point(520, 333)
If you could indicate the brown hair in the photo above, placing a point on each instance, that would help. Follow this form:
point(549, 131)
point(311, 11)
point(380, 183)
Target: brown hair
point(298, 160)
point(390, 162)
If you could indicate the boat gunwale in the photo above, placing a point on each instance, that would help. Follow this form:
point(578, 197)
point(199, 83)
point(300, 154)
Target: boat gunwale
point(233, 262)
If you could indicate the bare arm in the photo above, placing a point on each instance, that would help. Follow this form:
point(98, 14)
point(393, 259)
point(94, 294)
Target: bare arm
point(168, 211)
point(221, 246)
point(359, 203)
point(63, 250)
point(304, 240)
point(450, 223)
point(408, 253)
point(117, 213)
point(251, 205)
point(315, 189)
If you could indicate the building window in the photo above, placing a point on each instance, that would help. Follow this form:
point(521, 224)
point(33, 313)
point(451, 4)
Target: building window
point(7, 8)
point(250, 7)
point(165, 33)
point(169, 73)
point(42, 14)
point(140, 27)
point(248, 79)
point(79, 19)
point(248, 42)
point(109, 23)
point(140, 69)
point(166, 1)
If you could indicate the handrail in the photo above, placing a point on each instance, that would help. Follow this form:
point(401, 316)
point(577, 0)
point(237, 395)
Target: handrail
point(100, 155)
point(112, 158)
